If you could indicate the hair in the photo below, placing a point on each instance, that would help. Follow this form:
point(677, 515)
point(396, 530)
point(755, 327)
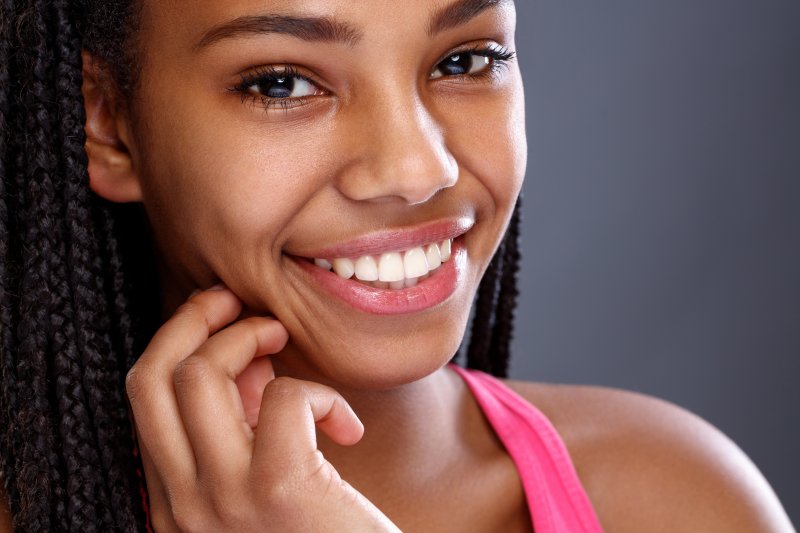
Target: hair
point(78, 292)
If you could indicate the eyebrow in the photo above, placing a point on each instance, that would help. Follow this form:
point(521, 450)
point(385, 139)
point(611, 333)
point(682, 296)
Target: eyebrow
point(327, 29)
point(323, 29)
point(459, 13)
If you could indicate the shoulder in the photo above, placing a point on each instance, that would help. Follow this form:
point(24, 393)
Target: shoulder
point(644, 461)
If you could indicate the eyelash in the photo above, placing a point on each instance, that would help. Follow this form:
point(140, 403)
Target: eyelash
point(500, 57)
point(265, 75)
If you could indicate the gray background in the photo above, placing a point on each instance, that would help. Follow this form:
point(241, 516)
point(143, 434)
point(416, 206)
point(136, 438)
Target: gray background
point(662, 209)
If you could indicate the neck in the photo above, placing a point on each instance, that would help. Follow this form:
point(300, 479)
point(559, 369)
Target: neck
point(423, 441)
point(419, 424)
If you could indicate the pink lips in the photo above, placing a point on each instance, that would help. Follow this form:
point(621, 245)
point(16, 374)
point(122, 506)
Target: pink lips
point(426, 294)
point(434, 290)
point(393, 240)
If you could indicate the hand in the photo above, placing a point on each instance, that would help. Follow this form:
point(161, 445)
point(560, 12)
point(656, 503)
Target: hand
point(212, 466)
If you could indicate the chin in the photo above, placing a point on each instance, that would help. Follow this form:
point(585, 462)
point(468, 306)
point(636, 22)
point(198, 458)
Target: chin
point(374, 361)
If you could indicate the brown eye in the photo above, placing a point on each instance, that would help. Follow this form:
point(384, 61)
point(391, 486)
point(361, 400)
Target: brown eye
point(462, 63)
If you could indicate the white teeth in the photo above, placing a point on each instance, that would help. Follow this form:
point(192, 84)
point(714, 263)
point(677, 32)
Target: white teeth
point(394, 270)
point(366, 268)
point(433, 256)
point(415, 263)
point(344, 267)
point(390, 267)
point(324, 263)
point(445, 249)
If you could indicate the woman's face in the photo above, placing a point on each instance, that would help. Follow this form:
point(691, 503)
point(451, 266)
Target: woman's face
point(267, 134)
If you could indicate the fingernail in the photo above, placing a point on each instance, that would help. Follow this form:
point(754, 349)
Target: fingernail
point(193, 294)
point(218, 287)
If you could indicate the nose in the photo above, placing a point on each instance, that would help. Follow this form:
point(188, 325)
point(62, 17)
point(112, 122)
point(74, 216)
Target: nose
point(398, 152)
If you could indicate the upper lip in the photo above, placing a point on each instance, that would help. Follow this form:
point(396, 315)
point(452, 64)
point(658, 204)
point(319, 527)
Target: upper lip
point(394, 239)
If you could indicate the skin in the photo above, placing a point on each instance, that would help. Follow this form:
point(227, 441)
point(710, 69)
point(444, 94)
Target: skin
point(230, 190)
point(387, 148)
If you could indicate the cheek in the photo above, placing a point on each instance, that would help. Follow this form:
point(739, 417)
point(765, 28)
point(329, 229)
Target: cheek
point(503, 158)
point(488, 138)
point(233, 186)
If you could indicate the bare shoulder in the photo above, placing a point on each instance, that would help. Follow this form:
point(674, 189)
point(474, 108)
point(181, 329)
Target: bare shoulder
point(649, 465)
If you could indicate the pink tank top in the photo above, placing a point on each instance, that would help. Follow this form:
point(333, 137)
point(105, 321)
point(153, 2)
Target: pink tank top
point(556, 499)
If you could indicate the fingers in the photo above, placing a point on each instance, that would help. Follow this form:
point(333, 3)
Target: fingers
point(193, 323)
point(150, 382)
point(208, 398)
point(251, 383)
point(195, 427)
point(160, 517)
point(286, 435)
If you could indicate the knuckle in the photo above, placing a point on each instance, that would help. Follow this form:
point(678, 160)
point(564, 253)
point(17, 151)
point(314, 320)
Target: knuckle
point(136, 381)
point(280, 496)
point(284, 388)
point(225, 510)
point(189, 309)
point(186, 515)
point(191, 315)
point(188, 520)
point(190, 372)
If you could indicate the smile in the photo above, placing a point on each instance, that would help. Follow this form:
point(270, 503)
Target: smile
point(392, 270)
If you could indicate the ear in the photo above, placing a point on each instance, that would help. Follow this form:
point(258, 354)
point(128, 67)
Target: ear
point(111, 171)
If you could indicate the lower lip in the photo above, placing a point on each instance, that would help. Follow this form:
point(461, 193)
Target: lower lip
point(426, 294)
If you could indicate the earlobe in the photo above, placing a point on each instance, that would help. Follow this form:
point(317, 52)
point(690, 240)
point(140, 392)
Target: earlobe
point(111, 170)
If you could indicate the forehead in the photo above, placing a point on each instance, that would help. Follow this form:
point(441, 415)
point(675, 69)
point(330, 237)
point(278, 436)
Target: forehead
point(185, 22)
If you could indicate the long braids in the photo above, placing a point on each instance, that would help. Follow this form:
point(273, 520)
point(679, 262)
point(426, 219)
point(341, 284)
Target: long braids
point(66, 444)
point(492, 326)
point(78, 297)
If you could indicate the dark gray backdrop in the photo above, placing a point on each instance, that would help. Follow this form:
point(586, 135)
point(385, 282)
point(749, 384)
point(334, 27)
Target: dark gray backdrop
point(662, 209)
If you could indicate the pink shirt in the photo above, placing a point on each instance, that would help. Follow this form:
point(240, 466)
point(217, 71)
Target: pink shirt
point(556, 498)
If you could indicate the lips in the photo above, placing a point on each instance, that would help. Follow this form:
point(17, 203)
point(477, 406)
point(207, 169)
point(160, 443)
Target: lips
point(392, 272)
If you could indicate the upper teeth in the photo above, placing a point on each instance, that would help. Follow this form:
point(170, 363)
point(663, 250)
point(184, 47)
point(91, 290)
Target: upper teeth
point(395, 268)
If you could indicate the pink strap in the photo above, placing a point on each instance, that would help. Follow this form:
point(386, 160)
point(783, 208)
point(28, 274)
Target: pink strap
point(556, 498)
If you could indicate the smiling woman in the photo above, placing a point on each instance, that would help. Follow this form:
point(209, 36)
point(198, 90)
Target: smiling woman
point(240, 244)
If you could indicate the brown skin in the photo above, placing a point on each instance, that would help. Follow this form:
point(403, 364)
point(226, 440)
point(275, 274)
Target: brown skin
point(377, 143)
point(386, 147)
point(647, 466)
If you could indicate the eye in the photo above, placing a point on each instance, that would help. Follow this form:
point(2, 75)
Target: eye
point(462, 63)
point(277, 86)
point(282, 87)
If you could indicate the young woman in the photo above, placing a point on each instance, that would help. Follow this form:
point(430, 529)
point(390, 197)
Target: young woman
point(200, 196)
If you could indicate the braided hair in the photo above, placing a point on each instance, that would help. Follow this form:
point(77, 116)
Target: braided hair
point(492, 326)
point(78, 282)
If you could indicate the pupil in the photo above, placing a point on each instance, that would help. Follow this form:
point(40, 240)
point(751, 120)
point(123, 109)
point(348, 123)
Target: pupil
point(279, 88)
point(456, 64)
